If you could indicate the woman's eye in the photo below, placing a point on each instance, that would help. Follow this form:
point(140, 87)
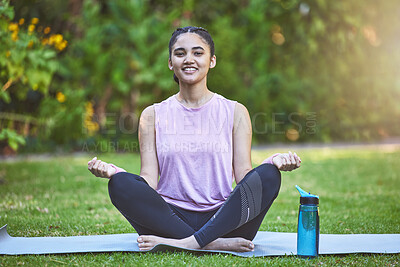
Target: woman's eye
point(179, 54)
point(198, 53)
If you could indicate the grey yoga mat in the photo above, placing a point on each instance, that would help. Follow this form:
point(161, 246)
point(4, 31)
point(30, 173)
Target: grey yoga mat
point(266, 244)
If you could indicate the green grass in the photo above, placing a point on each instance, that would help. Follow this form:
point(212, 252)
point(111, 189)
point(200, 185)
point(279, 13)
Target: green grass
point(358, 188)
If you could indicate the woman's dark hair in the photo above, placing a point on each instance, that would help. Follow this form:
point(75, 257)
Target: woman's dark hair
point(203, 33)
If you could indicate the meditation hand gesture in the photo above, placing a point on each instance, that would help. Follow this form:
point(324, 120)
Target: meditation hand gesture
point(100, 168)
point(287, 161)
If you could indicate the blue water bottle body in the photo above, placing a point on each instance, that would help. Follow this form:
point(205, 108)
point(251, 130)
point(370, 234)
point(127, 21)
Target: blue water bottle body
point(308, 225)
point(308, 231)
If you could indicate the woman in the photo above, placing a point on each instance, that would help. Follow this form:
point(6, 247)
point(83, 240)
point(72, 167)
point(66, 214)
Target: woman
point(192, 146)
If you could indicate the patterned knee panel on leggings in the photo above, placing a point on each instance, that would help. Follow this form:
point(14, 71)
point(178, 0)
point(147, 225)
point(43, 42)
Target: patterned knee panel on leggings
point(250, 197)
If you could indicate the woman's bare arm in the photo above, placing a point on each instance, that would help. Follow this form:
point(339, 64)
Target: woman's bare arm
point(242, 147)
point(242, 133)
point(147, 141)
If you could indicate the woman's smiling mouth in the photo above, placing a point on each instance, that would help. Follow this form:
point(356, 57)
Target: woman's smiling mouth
point(189, 70)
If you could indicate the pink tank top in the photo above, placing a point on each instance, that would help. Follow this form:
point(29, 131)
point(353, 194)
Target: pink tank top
point(194, 151)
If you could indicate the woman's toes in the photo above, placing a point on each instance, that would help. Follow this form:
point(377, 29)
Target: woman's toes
point(146, 242)
point(247, 246)
point(144, 247)
point(144, 239)
point(251, 246)
point(246, 249)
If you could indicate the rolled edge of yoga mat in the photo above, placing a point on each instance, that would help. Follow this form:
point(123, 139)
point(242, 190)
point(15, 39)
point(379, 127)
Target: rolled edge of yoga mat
point(3, 233)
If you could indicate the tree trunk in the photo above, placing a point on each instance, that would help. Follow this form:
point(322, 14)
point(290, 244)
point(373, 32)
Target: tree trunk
point(100, 109)
point(130, 119)
point(75, 9)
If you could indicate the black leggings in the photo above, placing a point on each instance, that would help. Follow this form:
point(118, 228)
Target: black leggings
point(240, 216)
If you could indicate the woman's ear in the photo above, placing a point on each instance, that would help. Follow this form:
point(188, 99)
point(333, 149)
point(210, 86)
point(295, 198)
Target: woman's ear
point(170, 64)
point(213, 61)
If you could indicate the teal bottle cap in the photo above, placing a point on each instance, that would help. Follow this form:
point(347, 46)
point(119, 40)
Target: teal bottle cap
point(307, 198)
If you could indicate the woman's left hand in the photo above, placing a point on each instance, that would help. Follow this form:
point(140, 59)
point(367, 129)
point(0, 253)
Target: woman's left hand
point(287, 161)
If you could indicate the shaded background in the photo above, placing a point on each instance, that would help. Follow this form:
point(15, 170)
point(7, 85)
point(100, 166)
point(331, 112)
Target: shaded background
point(76, 74)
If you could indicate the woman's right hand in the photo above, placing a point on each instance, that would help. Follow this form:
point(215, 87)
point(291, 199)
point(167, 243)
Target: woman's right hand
point(100, 168)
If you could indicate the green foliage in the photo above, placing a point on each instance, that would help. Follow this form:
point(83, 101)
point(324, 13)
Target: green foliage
point(120, 49)
point(306, 70)
point(64, 120)
point(25, 64)
point(13, 139)
point(290, 61)
point(118, 61)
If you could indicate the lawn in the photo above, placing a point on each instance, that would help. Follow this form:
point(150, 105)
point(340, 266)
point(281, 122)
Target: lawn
point(358, 189)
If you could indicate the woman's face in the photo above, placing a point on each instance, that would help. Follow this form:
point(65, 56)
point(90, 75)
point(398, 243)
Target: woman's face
point(190, 58)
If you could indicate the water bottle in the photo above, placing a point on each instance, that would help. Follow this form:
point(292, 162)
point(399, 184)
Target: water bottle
point(308, 225)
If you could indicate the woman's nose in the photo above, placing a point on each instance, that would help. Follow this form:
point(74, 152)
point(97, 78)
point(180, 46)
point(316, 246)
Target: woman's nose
point(188, 59)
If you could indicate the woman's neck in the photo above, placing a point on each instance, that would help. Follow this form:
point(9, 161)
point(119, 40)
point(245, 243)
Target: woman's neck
point(194, 95)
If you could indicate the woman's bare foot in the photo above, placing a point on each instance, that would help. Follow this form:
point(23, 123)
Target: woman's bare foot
point(147, 242)
point(238, 244)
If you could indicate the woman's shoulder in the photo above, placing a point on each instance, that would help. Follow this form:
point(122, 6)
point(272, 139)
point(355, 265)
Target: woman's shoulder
point(149, 110)
point(163, 104)
point(238, 108)
point(165, 101)
point(148, 115)
point(223, 99)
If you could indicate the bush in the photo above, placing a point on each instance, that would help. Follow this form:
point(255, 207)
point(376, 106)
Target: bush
point(28, 62)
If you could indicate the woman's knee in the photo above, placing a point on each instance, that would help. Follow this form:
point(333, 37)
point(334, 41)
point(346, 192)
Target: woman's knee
point(114, 184)
point(270, 177)
point(116, 181)
point(122, 183)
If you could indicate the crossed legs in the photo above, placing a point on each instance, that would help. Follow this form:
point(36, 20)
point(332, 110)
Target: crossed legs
point(232, 227)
